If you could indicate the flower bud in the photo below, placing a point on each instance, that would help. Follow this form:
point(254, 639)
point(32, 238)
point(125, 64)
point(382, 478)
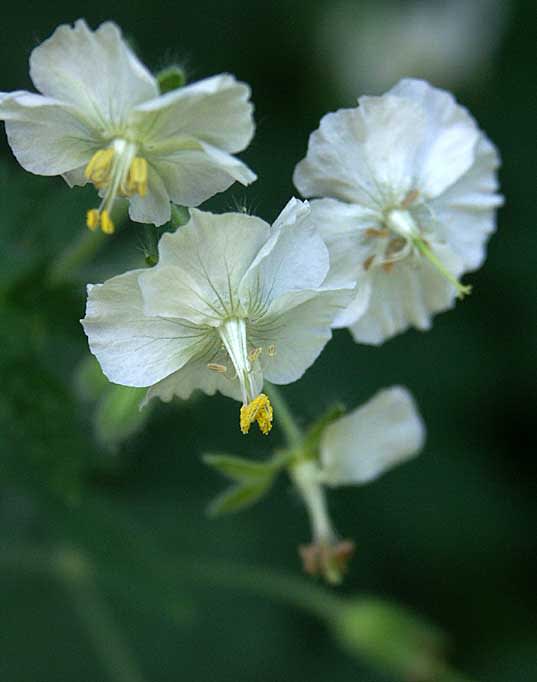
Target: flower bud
point(390, 638)
point(171, 78)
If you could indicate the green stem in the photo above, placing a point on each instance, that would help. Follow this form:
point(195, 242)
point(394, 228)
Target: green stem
point(272, 584)
point(77, 574)
point(284, 416)
point(77, 254)
point(267, 582)
point(108, 641)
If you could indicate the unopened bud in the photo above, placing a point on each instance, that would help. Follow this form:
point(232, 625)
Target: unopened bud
point(391, 638)
point(171, 78)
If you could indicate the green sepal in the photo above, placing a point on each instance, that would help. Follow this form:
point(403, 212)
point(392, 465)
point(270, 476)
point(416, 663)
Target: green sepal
point(171, 78)
point(180, 216)
point(239, 497)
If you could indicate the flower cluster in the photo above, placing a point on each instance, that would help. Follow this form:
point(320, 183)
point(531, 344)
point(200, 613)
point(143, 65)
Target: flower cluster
point(403, 196)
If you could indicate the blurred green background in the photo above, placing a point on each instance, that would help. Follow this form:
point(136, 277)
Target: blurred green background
point(109, 568)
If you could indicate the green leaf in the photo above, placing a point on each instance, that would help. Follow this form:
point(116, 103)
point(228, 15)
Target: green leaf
point(240, 469)
point(239, 497)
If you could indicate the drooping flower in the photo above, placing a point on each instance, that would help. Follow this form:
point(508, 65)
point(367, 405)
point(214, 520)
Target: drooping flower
point(100, 119)
point(410, 192)
point(370, 440)
point(353, 450)
point(232, 301)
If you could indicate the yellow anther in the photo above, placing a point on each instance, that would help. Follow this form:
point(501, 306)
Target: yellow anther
point(271, 350)
point(137, 177)
point(92, 219)
point(107, 225)
point(95, 217)
point(99, 167)
point(259, 410)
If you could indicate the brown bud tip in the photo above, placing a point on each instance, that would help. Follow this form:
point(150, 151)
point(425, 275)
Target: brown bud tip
point(329, 559)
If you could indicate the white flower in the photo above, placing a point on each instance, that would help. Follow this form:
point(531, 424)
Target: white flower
point(101, 119)
point(372, 439)
point(411, 188)
point(232, 301)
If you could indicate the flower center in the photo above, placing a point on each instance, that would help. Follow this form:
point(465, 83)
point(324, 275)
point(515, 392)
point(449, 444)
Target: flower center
point(119, 172)
point(256, 406)
point(404, 238)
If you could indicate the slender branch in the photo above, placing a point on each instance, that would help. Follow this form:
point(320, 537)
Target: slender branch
point(102, 628)
point(77, 575)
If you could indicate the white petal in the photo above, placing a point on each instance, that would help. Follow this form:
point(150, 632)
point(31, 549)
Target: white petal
point(334, 165)
point(94, 71)
point(372, 439)
point(47, 137)
point(358, 305)
point(201, 265)
point(154, 207)
point(394, 130)
point(76, 177)
point(198, 171)
point(415, 137)
point(466, 212)
point(450, 136)
point(298, 331)
point(216, 110)
point(294, 258)
point(195, 375)
point(365, 155)
point(342, 228)
point(132, 348)
point(407, 296)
